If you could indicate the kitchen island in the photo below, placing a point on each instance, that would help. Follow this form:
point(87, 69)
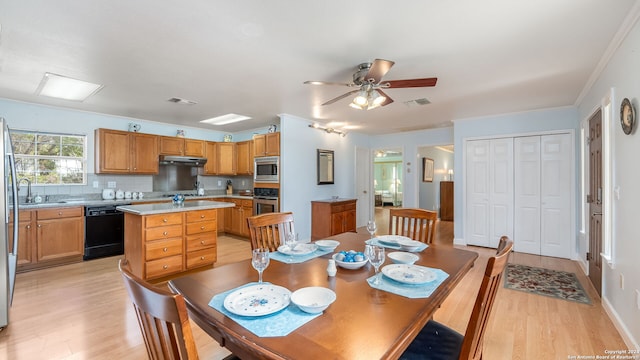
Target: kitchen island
point(163, 239)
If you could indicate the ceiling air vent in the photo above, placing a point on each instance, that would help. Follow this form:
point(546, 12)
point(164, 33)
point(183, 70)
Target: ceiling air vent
point(181, 101)
point(417, 102)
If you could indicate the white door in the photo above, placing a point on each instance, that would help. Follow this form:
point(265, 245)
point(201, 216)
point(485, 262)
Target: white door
point(555, 195)
point(477, 192)
point(364, 186)
point(501, 195)
point(527, 195)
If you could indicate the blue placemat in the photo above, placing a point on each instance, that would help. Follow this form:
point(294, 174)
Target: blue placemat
point(410, 291)
point(289, 259)
point(377, 242)
point(279, 324)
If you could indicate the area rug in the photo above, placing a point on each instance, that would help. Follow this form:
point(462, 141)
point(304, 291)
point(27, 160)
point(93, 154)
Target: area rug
point(552, 283)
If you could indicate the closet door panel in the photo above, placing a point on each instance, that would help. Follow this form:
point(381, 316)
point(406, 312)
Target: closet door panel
point(527, 194)
point(477, 192)
point(501, 193)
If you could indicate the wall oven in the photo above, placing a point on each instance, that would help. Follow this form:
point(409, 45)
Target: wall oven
point(265, 200)
point(266, 169)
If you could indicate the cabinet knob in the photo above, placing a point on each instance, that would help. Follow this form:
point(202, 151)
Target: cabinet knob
point(165, 220)
point(165, 233)
point(39, 225)
point(165, 249)
point(201, 216)
point(201, 257)
point(28, 226)
point(202, 242)
point(165, 267)
point(60, 213)
point(201, 227)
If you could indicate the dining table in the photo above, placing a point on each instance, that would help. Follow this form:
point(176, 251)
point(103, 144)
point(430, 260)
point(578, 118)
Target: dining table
point(362, 323)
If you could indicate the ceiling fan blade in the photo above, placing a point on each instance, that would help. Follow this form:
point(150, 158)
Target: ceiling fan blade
point(377, 70)
point(388, 99)
point(328, 83)
point(340, 97)
point(410, 83)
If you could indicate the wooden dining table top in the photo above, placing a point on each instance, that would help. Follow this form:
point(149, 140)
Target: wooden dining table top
point(363, 322)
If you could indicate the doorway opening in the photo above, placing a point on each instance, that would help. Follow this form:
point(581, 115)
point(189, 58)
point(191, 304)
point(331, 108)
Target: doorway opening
point(388, 177)
point(435, 192)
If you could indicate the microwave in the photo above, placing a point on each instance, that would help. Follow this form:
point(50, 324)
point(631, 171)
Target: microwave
point(266, 169)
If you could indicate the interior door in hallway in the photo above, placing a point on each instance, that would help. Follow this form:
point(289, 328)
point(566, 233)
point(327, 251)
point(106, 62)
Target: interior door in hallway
point(363, 186)
point(595, 201)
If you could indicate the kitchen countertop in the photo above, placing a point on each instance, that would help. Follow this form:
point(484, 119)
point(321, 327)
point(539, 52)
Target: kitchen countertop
point(163, 208)
point(97, 202)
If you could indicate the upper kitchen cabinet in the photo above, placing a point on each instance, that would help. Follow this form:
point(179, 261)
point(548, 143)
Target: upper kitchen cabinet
point(210, 168)
point(123, 152)
point(244, 154)
point(226, 158)
point(266, 144)
point(182, 147)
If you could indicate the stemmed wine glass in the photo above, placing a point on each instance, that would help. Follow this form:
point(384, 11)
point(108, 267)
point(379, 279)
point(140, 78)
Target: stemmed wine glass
point(371, 227)
point(375, 254)
point(260, 261)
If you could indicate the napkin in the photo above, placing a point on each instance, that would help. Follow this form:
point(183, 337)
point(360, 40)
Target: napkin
point(281, 323)
point(411, 291)
point(377, 242)
point(295, 259)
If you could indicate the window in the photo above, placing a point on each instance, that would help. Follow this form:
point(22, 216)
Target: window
point(50, 159)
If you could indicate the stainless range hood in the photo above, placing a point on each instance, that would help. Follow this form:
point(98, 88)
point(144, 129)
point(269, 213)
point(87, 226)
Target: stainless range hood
point(182, 160)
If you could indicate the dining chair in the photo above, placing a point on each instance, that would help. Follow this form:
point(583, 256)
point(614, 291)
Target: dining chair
point(437, 341)
point(267, 230)
point(163, 319)
point(418, 224)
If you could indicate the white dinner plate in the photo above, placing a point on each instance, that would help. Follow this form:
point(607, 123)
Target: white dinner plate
point(392, 239)
point(298, 250)
point(409, 274)
point(257, 300)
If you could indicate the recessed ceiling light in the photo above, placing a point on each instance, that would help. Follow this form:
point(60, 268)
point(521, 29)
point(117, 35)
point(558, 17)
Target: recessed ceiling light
point(63, 87)
point(225, 119)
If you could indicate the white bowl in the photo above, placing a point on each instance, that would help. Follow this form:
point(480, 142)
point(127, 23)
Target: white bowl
point(400, 257)
point(314, 299)
point(349, 265)
point(327, 244)
point(409, 245)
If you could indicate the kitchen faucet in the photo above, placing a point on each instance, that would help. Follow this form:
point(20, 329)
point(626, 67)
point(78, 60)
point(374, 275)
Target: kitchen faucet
point(29, 198)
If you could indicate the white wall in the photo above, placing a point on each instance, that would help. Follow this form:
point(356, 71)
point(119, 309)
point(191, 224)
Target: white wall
point(622, 73)
point(299, 179)
point(430, 191)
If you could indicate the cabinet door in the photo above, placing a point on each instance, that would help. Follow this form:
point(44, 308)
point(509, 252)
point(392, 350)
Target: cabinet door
point(171, 145)
point(226, 158)
point(245, 158)
point(337, 223)
point(259, 145)
point(112, 151)
point(349, 220)
point(144, 152)
point(272, 144)
point(211, 167)
point(247, 211)
point(194, 147)
point(60, 238)
point(25, 238)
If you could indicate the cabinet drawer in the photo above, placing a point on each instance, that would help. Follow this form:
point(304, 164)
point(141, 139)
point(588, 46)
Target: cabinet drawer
point(337, 208)
point(247, 203)
point(201, 227)
point(163, 248)
point(201, 215)
point(350, 206)
point(165, 266)
point(58, 213)
point(201, 258)
point(163, 220)
point(163, 232)
point(202, 241)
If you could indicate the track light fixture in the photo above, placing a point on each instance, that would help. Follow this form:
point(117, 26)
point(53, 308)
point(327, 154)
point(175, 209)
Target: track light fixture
point(328, 130)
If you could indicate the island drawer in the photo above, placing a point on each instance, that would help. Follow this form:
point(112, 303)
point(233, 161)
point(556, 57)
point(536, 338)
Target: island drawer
point(201, 215)
point(163, 232)
point(163, 248)
point(201, 258)
point(201, 227)
point(163, 219)
point(165, 266)
point(202, 241)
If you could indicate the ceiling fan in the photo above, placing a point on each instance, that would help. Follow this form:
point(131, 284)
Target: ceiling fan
point(368, 80)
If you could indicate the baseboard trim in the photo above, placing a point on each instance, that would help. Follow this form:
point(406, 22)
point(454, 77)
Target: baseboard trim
point(620, 326)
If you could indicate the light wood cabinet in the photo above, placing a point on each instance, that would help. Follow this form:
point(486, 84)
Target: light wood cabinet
point(26, 236)
point(235, 221)
point(266, 144)
point(122, 152)
point(226, 158)
point(211, 166)
point(169, 145)
point(332, 217)
point(160, 245)
point(221, 215)
point(244, 154)
point(446, 200)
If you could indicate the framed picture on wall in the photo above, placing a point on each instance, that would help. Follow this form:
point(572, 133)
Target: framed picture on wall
point(427, 170)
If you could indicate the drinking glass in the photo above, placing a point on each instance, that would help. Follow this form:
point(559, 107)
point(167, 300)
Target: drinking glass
point(291, 240)
point(260, 261)
point(375, 254)
point(371, 227)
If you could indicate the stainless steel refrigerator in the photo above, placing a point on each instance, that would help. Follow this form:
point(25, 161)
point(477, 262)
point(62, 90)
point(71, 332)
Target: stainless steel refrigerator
point(9, 199)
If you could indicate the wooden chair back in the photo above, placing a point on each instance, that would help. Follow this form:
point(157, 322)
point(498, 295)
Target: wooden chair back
point(268, 230)
point(163, 319)
point(491, 282)
point(418, 224)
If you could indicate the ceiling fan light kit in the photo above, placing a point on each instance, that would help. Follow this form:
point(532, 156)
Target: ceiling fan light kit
point(368, 78)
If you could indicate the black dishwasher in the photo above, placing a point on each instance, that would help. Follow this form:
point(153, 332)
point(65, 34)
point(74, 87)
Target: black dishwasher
point(103, 231)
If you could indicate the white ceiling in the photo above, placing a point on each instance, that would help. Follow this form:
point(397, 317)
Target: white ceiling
point(251, 57)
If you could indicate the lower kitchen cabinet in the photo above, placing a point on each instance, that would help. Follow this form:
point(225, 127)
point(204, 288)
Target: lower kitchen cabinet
point(332, 217)
point(236, 217)
point(26, 236)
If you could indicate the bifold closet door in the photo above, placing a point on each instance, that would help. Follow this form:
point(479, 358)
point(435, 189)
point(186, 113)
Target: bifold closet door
point(527, 195)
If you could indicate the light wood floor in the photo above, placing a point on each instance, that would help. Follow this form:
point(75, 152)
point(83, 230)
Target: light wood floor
point(82, 311)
